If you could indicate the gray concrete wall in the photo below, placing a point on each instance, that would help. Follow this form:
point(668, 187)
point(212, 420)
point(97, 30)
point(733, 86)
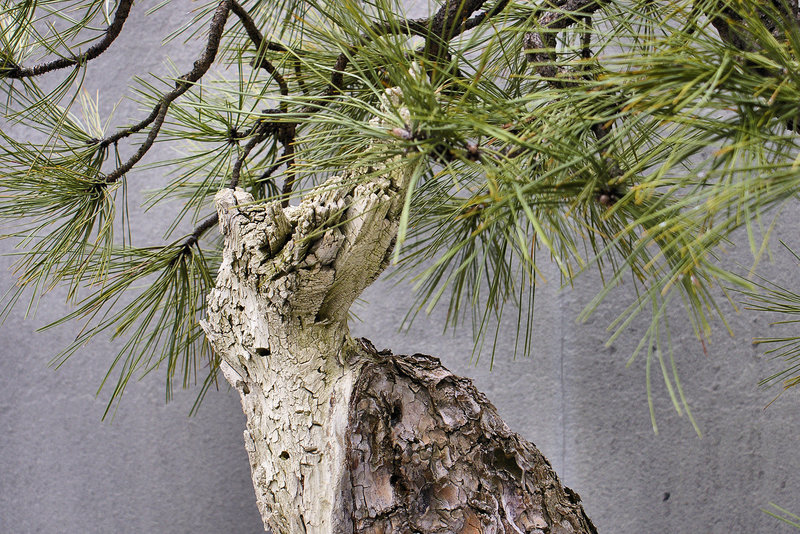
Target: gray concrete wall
point(153, 469)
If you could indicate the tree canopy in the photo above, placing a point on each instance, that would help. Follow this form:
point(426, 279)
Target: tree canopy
point(627, 136)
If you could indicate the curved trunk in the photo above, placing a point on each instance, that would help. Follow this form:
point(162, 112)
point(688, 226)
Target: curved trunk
point(342, 438)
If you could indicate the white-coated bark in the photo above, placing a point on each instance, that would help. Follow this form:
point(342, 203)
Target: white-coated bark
point(281, 331)
point(278, 320)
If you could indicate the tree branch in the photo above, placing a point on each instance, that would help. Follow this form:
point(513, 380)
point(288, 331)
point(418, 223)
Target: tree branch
point(291, 175)
point(237, 166)
point(269, 172)
point(200, 229)
point(252, 30)
point(541, 43)
point(111, 33)
point(418, 27)
point(447, 23)
point(443, 24)
point(480, 18)
point(258, 41)
point(183, 84)
point(286, 132)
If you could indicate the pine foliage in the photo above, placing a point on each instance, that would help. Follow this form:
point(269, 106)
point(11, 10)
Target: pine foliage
point(629, 136)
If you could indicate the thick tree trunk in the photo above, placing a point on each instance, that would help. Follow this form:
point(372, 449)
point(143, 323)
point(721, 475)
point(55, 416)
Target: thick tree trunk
point(342, 438)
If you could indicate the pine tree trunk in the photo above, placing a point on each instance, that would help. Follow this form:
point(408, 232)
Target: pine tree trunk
point(343, 438)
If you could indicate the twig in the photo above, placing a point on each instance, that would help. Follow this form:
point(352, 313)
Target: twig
point(447, 23)
point(298, 72)
point(541, 43)
point(237, 166)
point(418, 27)
point(285, 132)
point(130, 130)
point(291, 175)
point(252, 30)
point(586, 38)
point(111, 33)
point(201, 229)
point(480, 18)
point(269, 172)
point(183, 84)
point(258, 41)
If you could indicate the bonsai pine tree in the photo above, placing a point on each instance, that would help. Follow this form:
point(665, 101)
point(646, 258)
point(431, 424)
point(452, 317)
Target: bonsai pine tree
point(321, 141)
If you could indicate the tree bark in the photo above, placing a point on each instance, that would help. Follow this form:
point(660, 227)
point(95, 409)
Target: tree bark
point(343, 438)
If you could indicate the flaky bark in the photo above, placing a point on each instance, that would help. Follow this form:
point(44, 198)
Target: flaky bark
point(342, 438)
point(427, 453)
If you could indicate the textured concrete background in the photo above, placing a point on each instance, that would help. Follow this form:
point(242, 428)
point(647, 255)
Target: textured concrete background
point(155, 470)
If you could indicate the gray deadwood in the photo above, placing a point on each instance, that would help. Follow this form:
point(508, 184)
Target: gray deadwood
point(343, 438)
